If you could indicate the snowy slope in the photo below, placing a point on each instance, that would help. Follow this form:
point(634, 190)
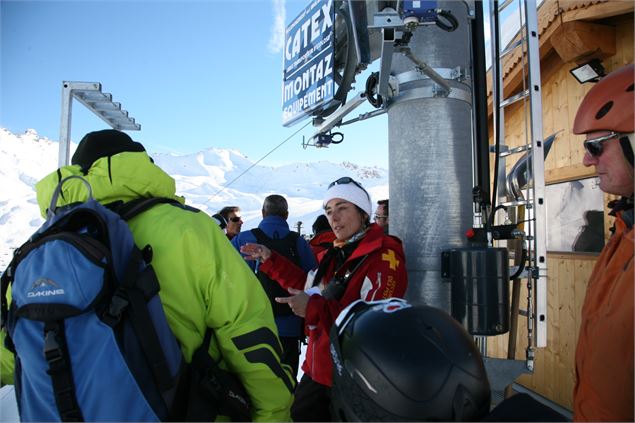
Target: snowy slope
point(209, 180)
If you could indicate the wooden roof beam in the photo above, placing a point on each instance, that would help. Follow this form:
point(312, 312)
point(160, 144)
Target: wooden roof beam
point(599, 11)
point(579, 41)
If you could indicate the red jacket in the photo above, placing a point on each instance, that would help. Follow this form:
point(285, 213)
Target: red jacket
point(604, 356)
point(381, 275)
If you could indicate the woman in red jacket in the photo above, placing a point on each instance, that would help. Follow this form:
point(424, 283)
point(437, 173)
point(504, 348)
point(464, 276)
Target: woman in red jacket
point(363, 263)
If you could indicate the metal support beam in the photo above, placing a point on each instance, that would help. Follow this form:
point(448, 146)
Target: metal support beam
point(336, 117)
point(387, 50)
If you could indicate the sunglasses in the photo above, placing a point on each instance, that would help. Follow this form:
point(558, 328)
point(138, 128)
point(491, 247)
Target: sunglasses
point(348, 180)
point(595, 146)
point(235, 219)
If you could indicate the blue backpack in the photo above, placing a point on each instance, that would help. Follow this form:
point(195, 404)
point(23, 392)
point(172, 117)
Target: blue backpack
point(86, 325)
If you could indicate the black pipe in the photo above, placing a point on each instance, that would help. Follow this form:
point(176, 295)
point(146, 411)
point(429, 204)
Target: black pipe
point(480, 104)
point(497, 87)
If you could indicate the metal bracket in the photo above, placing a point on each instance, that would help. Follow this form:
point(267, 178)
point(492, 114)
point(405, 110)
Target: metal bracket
point(425, 69)
point(90, 95)
point(429, 92)
point(456, 74)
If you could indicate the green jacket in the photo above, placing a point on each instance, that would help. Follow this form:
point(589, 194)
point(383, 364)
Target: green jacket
point(204, 281)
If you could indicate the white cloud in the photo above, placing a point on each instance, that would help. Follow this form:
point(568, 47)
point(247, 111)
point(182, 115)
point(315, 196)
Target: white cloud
point(276, 42)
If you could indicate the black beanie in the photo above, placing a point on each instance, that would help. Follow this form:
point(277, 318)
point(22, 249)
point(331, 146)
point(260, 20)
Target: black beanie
point(105, 143)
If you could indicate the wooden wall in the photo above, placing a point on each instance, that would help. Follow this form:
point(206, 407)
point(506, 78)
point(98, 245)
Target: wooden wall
point(568, 273)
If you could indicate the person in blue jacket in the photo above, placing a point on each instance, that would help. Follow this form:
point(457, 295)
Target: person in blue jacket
point(274, 231)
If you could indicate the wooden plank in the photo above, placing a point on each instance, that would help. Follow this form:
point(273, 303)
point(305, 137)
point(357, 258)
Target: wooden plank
point(561, 115)
point(548, 120)
point(624, 41)
point(552, 376)
point(568, 332)
point(568, 173)
point(560, 367)
point(599, 11)
point(575, 94)
point(573, 256)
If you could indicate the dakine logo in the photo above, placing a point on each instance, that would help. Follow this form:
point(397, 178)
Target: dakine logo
point(44, 288)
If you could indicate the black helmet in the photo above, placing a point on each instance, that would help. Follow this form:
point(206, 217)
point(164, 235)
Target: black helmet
point(398, 362)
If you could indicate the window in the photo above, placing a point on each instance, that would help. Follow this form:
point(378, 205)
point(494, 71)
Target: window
point(575, 216)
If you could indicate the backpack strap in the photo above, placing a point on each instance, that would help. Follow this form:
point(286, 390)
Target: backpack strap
point(134, 289)
point(263, 239)
point(137, 206)
point(5, 280)
point(56, 355)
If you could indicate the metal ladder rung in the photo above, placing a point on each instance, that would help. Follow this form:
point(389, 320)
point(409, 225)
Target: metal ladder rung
point(513, 99)
point(506, 151)
point(517, 203)
point(516, 150)
point(511, 47)
point(504, 4)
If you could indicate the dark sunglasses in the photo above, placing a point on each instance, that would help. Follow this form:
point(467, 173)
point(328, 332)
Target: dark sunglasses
point(348, 180)
point(595, 146)
point(235, 219)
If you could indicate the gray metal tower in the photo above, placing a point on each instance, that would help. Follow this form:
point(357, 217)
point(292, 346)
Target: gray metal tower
point(430, 151)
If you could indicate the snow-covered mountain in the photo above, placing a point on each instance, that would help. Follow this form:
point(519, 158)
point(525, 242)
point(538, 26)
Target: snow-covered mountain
point(209, 180)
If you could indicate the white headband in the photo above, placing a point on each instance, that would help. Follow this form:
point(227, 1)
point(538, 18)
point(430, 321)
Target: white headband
point(351, 193)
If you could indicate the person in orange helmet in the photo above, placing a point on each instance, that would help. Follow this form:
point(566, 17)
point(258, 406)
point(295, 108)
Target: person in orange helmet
point(604, 355)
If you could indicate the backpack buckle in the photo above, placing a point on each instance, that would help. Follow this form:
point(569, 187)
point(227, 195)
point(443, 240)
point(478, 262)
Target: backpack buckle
point(117, 305)
point(52, 350)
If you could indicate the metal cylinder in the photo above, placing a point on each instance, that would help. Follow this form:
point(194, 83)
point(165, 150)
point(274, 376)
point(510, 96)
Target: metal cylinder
point(430, 152)
point(480, 289)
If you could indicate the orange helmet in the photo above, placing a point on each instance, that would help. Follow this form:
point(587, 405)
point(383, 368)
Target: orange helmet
point(608, 106)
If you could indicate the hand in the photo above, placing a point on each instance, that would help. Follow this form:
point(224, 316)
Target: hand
point(255, 252)
point(298, 301)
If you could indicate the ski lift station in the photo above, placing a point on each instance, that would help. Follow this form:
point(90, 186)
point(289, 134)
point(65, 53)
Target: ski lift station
point(484, 172)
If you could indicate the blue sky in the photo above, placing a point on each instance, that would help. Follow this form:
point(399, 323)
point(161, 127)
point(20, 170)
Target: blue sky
point(194, 74)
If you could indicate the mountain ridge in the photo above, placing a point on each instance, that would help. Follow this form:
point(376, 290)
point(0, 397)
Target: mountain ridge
point(209, 180)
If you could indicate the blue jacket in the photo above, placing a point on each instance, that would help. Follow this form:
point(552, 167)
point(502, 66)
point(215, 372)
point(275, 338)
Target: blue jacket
point(276, 227)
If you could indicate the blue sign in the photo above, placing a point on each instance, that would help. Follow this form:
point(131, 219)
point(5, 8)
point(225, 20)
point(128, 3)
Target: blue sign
point(308, 62)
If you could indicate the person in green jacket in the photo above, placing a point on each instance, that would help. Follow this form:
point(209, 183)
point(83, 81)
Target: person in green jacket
point(205, 283)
